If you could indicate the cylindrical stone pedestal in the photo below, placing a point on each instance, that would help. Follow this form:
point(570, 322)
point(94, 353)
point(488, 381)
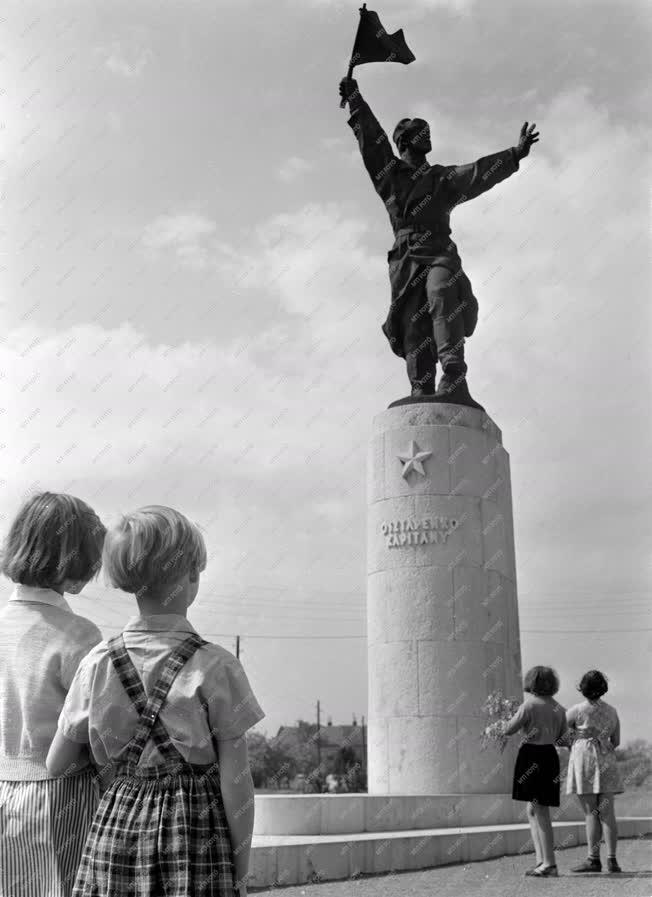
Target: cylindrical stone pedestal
point(441, 600)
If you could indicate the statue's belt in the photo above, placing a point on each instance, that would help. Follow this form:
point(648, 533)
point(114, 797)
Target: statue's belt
point(406, 230)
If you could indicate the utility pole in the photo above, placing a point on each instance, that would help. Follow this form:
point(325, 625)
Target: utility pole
point(237, 646)
point(318, 730)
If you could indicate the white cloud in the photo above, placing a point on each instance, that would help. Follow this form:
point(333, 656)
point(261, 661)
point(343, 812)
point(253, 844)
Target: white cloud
point(316, 265)
point(127, 58)
point(309, 260)
point(399, 12)
point(175, 230)
point(294, 167)
point(393, 8)
point(331, 143)
point(239, 439)
point(187, 235)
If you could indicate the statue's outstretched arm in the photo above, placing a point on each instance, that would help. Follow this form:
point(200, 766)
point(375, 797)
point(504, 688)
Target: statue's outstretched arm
point(468, 181)
point(465, 182)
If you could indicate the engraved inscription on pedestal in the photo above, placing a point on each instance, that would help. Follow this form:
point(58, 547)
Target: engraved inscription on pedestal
point(417, 531)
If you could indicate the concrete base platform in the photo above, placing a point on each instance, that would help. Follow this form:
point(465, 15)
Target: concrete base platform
point(337, 814)
point(496, 877)
point(278, 860)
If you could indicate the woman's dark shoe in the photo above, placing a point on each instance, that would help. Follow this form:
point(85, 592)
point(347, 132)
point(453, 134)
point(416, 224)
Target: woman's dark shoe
point(533, 869)
point(546, 872)
point(612, 865)
point(589, 865)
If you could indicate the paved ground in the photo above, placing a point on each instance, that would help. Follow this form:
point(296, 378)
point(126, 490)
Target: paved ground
point(497, 878)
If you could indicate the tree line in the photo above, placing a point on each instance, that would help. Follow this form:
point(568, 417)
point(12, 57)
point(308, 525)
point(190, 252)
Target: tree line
point(276, 764)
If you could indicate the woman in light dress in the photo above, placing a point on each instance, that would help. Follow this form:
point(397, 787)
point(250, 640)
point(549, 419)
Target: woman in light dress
point(593, 773)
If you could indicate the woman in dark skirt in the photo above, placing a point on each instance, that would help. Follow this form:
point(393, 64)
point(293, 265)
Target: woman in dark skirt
point(536, 773)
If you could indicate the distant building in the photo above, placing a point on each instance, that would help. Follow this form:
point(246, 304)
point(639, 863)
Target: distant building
point(331, 739)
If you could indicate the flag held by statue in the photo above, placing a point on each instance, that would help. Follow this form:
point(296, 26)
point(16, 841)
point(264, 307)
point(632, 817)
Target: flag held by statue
point(373, 43)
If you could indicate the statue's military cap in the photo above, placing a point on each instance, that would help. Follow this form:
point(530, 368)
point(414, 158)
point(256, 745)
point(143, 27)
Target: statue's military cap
point(407, 124)
point(400, 129)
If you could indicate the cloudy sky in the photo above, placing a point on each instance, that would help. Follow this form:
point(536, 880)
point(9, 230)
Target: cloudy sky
point(194, 277)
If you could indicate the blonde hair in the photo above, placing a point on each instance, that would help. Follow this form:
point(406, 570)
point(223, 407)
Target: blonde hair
point(54, 537)
point(152, 547)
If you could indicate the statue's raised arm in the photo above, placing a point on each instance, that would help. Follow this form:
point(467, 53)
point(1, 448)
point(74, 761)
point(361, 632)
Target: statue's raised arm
point(376, 150)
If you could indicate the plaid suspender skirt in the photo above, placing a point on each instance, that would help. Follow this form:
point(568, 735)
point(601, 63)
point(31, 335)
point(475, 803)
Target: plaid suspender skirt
point(159, 831)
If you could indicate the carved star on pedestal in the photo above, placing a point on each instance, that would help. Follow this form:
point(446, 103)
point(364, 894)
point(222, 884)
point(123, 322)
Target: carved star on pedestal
point(414, 460)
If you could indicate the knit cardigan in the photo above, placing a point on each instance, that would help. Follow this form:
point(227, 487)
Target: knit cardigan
point(41, 644)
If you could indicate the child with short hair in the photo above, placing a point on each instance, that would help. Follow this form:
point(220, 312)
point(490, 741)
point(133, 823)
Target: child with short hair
point(536, 773)
point(53, 546)
point(167, 712)
point(593, 773)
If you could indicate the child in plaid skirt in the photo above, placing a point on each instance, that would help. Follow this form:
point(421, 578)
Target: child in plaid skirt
point(165, 714)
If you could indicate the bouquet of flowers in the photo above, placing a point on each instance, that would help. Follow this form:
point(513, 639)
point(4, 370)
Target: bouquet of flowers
point(497, 710)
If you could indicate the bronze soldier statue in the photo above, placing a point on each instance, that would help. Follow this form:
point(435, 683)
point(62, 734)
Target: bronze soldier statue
point(433, 307)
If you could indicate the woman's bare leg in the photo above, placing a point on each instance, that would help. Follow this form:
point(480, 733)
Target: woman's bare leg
point(607, 817)
point(545, 834)
point(534, 829)
point(589, 804)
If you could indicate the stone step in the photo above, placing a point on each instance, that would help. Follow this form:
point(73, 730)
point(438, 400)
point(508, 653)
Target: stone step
point(297, 859)
point(336, 814)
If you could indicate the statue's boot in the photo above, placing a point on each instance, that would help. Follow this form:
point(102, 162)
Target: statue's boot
point(453, 388)
point(421, 367)
point(423, 389)
point(447, 303)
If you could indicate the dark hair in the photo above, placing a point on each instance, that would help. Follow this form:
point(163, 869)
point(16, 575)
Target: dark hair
point(53, 537)
point(593, 685)
point(541, 681)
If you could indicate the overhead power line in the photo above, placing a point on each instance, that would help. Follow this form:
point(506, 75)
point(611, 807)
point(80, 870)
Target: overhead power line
point(301, 637)
point(247, 605)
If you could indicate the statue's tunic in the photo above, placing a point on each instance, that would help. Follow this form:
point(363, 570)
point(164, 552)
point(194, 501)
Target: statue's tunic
point(419, 202)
